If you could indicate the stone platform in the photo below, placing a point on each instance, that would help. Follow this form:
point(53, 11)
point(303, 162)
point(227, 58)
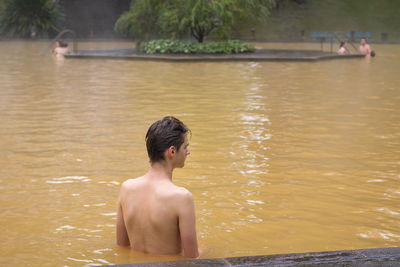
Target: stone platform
point(258, 55)
point(363, 257)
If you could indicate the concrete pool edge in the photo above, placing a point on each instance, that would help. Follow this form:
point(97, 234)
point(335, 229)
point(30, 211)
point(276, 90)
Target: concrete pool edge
point(361, 257)
point(317, 56)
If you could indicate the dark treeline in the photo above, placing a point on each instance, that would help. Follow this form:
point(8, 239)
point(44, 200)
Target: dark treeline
point(92, 19)
point(88, 18)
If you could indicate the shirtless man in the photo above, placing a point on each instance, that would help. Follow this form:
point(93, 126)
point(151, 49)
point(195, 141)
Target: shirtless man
point(154, 215)
point(365, 49)
point(61, 49)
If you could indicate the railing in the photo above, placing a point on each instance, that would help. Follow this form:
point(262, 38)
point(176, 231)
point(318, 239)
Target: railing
point(340, 36)
point(350, 39)
point(322, 36)
point(58, 37)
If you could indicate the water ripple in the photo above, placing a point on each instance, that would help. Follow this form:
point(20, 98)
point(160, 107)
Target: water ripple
point(68, 180)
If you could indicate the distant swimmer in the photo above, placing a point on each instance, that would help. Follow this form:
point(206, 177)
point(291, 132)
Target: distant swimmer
point(365, 49)
point(61, 48)
point(154, 215)
point(342, 48)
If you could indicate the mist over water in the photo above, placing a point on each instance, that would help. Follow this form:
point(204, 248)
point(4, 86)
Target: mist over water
point(285, 157)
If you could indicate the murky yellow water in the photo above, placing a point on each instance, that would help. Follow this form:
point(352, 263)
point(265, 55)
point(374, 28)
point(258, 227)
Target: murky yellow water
point(285, 157)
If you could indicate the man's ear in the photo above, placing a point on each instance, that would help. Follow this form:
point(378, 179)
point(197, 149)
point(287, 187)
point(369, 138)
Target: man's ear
point(171, 151)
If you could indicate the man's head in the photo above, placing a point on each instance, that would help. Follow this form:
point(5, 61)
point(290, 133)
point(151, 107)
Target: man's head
point(343, 44)
point(167, 137)
point(63, 43)
point(363, 41)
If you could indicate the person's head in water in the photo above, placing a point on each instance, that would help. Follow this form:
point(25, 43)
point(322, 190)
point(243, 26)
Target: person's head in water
point(62, 43)
point(167, 137)
point(373, 53)
point(363, 41)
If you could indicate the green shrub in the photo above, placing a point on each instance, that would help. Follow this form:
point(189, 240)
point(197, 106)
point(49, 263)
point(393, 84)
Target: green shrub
point(167, 46)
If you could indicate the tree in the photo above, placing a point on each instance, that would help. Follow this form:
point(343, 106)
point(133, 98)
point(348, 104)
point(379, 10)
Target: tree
point(199, 18)
point(204, 17)
point(33, 18)
point(141, 20)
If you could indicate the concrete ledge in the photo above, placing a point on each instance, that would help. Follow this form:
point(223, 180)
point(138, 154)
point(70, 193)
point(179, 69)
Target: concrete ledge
point(362, 257)
point(259, 55)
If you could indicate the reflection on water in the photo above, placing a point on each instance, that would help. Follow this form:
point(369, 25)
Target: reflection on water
point(286, 157)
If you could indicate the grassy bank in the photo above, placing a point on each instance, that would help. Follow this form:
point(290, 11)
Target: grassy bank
point(289, 19)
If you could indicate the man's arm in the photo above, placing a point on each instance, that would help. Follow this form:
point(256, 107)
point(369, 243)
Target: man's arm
point(187, 226)
point(122, 234)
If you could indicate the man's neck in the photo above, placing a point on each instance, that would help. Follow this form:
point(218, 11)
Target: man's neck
point(161, 170)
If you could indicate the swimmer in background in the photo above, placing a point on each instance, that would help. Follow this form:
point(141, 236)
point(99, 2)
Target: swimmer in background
point(154, 215)
point(365, 49)
point(61, 49)
point(342, 48)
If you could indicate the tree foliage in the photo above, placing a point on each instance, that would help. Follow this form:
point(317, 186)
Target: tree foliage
point(141, 20)
point(33, 18)
point(199, 18)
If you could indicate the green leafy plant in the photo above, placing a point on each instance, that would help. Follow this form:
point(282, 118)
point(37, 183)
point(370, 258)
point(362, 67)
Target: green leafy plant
point(168, 46)
point(33, 18)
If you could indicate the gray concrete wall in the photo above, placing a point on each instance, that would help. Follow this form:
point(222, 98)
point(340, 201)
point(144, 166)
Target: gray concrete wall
point(362, 257)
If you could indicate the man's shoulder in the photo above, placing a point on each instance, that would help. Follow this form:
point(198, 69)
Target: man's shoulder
point(182, 195)
point(183, 191)
point(180, 198)
point(130, 183)
point(174, 193)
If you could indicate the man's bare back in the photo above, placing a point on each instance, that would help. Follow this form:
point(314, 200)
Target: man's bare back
point(151, 207)
point(154, 215)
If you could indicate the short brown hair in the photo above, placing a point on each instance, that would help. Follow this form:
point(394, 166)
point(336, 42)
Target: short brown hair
point(163, 134)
